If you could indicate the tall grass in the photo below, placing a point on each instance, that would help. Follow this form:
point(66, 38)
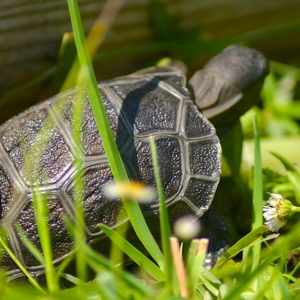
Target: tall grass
point(110, 147)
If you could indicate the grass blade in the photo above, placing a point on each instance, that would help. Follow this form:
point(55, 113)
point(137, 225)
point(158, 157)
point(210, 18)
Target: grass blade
point(163, 216)
point(195, 260)
point(257, 212)
point(133, 210)
point(97, 262)
point(21, 267)
point(41, 214)
point(240, 245)
point(79, 186)
point(292, 173)
point(38, 255)
point(180, 267)
point(134, 254)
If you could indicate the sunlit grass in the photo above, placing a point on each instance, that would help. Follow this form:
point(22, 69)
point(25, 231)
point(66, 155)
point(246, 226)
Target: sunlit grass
point(113, 156)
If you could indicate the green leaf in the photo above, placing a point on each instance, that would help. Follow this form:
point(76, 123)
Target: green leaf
point(257, 200)
point(291, 109)
point(163, 217)
point(20, 266)
point(195, 260)
point(267, 92)
point(281, 68)
point(113, 156)
point(240, 245)
point(270, 281)
point(41, 213)
point(38, 255)
point(138, 257)
point(109, 285)
point(209, 285)
point(292, 173)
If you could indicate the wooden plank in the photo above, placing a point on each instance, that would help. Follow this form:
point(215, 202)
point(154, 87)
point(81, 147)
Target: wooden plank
point(31, 32)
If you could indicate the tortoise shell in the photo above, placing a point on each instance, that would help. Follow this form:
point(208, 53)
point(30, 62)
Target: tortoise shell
point(38, 153)
point(154, 103)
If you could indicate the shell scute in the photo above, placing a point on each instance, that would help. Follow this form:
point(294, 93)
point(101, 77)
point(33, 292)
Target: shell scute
point(204, 157)
point(147, 107)
point(10, 194)
point(195, 126)
point(36, 134)
point(200, 192)
point(98, 207)
point(60, 238)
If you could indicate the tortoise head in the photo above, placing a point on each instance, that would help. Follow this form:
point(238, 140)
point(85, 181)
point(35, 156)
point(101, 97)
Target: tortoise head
point(229, 84)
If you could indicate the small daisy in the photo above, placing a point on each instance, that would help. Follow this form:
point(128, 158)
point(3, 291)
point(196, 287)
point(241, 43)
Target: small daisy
point(278, 211)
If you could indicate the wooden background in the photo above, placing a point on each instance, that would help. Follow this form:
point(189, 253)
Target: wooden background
point(31, 33)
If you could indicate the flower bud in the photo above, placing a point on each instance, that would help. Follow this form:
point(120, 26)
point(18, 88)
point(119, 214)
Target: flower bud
point(278, 211)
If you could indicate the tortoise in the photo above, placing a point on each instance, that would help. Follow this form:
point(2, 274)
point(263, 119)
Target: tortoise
point(152, 102)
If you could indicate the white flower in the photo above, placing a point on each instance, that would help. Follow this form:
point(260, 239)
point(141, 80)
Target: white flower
point(278, 211)
point(272, 220)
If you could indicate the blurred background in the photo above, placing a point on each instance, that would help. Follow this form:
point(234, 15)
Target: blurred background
point(144, 31)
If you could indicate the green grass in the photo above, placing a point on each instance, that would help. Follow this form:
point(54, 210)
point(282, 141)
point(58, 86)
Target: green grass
point(114, 158)
point(261, 272)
